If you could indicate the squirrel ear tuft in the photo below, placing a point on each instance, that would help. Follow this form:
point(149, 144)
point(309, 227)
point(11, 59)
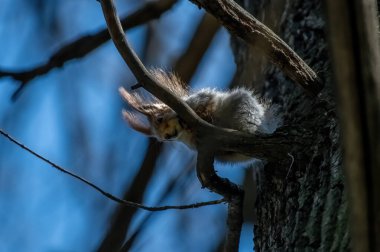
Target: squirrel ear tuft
point(136, 124)
point(134, 100)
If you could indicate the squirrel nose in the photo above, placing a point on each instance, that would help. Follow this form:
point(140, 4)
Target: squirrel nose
point(170, 136)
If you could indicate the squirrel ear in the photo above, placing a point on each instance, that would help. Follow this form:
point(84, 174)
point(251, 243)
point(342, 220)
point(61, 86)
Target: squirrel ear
point(136, 124)
point(133, 100)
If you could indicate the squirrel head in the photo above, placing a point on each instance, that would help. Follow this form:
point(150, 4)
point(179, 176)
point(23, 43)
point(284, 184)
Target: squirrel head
point(162, 120)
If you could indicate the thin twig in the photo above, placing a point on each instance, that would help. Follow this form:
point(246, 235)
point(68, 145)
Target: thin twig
point(84, 45)
point(291, 165)
point(108, 195)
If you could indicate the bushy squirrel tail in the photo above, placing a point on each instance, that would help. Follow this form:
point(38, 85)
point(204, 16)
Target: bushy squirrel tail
point(271, 120)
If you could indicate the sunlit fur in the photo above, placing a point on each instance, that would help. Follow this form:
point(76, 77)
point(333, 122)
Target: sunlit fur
point(237, 109)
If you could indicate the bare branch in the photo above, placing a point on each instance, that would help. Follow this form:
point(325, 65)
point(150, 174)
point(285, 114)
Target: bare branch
point(108, 195)
point(266, 147)
point(235, 195)
point(84, 45)
point(242, 24)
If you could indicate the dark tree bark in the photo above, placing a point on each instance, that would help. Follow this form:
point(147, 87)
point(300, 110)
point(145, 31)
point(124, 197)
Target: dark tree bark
point(300, 205)
point(355, 47)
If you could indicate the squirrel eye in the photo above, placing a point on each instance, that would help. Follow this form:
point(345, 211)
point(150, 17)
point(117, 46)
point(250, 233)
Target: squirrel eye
point(159, 119)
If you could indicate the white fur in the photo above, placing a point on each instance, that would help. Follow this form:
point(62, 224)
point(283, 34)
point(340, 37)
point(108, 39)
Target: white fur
point(238, 109)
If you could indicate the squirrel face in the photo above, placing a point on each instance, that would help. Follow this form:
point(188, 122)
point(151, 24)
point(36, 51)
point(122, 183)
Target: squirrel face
point(165, 126)
point(163, 121)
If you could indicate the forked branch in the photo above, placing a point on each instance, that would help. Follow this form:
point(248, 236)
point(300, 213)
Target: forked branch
point(242, 24)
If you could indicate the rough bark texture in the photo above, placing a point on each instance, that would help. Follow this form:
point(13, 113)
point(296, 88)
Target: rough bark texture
point(355, 48)
point(300, 206)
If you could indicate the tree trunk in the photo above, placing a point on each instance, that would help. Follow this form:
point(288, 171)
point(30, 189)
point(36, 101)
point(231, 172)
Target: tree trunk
point(301, 202)
point(355, 51)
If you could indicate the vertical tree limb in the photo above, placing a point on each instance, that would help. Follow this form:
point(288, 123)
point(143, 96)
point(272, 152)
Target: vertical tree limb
point(354, 41)
point(233, 193)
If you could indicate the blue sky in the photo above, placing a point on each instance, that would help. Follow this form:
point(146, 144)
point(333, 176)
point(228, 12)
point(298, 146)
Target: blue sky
point(72, 116)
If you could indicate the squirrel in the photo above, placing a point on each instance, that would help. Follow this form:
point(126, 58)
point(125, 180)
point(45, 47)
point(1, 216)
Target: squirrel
point(237, 109)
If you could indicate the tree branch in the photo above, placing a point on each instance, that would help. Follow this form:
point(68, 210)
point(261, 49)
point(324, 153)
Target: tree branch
point(230, 191)
point(242, 24)
point(84, 45)
point(108, 195)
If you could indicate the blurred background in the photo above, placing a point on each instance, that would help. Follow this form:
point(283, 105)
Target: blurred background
point(72, 116)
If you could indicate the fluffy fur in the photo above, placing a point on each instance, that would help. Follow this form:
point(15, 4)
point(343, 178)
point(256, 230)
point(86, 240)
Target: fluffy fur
point(237, 109)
